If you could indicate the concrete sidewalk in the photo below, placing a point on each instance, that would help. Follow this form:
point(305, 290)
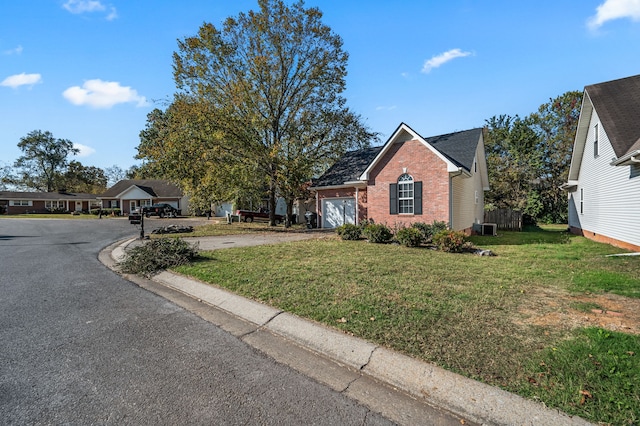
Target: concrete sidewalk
point(346, 363)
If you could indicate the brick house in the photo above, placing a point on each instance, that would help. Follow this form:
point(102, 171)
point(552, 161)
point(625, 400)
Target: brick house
point(408, 179)
point(46, 202)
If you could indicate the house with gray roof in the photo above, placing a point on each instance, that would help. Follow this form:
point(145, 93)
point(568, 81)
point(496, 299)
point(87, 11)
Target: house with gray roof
point(131, 194)
point(409, 179)
point(604, 178)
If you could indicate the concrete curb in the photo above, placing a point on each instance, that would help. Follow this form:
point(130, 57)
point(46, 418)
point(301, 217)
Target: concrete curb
point(425, 382)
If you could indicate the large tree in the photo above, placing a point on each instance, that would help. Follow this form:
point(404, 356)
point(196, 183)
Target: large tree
point(260, 97)
point(513, 162)
point(87, 179)
point(528, 159)
point(556, 123)
point(43, 162)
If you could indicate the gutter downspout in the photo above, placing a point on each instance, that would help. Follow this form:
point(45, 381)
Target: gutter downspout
point(317, 211)
point(451, 176)
point(357, 204)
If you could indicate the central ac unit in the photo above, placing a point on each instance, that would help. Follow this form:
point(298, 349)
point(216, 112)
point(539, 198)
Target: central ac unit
point(489, 229)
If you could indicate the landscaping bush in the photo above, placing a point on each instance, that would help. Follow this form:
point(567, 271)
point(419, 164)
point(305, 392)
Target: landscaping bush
point(451, 241)
point(158, 254)
point(349, 231)
point(410, 237)
point(106, 212)
point(377, 233)
point(429, 230)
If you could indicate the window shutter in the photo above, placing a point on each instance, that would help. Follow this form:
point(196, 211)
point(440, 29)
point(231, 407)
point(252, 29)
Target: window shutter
point(393, 198)
point(417, 198)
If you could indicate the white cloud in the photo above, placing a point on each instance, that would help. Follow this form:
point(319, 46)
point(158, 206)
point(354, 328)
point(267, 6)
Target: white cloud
point(113, 14)
point(78, 7)
point(15, 51)
point(85, 151)
point(386, 108)
point(614, 9)
point(84, 6)
point(442, 59)
point(23, 79)
point(103, 94)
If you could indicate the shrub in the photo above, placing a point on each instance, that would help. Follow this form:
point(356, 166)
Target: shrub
point(409, 237)
point(158, 254)
point(429, 230)
point(451, 241)
point(349, 231)
point(424, 229)
point(377, 233)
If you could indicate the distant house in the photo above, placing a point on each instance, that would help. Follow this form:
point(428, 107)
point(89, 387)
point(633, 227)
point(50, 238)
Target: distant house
point(604, 177)
point(45, 202)
point(408, 179)
point(128, 195)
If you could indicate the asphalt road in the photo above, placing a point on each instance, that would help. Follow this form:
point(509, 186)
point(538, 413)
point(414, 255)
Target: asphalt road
point(81, 345)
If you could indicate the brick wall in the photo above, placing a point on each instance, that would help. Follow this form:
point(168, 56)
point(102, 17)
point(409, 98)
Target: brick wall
point(423, 165)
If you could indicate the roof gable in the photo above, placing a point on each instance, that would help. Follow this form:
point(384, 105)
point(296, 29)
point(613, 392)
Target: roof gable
point(157, 188)
point(617, 104)
point(456, 149)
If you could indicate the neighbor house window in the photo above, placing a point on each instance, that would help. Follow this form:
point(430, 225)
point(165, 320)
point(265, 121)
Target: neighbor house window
point(581, 200)
point(595, 140)
point(55, 204)
point(405, 194)
point(114, 204)
point(20, 203)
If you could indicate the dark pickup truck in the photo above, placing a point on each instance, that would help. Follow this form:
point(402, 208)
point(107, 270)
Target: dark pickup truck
point(248, 215)
point(161, 210)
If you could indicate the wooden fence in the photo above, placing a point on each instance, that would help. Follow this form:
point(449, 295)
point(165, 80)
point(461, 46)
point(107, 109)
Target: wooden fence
point(506, 219)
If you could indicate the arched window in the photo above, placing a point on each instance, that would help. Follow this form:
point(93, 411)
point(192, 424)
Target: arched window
point(405, 194)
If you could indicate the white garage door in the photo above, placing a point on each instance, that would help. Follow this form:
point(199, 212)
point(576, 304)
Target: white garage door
point(338, 211)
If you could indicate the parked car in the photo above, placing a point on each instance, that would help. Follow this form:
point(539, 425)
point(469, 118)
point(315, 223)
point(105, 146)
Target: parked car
point(161, 210)
point(248, 215)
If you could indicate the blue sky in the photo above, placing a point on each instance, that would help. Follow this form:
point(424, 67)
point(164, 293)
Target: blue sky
point(90, 70)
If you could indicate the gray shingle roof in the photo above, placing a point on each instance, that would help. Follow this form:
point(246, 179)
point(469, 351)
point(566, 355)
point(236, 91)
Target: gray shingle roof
point(458, 147)
point(348, 168)
point(617, 103)
point(13, 195)
point(155, 187)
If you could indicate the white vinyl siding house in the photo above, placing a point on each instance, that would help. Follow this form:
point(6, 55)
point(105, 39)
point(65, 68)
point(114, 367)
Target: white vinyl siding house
point(468, 192)
point(607, 192)
point(604, 186)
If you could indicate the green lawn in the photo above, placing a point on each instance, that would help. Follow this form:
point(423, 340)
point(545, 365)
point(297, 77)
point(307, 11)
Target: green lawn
point(478, 316)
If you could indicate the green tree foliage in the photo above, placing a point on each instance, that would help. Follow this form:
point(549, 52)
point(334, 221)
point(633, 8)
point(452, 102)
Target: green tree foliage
point(512, 162)
point(43, 162)
point(87, 179)
point(528, 159)
point(259, 98)
point(555, 123)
